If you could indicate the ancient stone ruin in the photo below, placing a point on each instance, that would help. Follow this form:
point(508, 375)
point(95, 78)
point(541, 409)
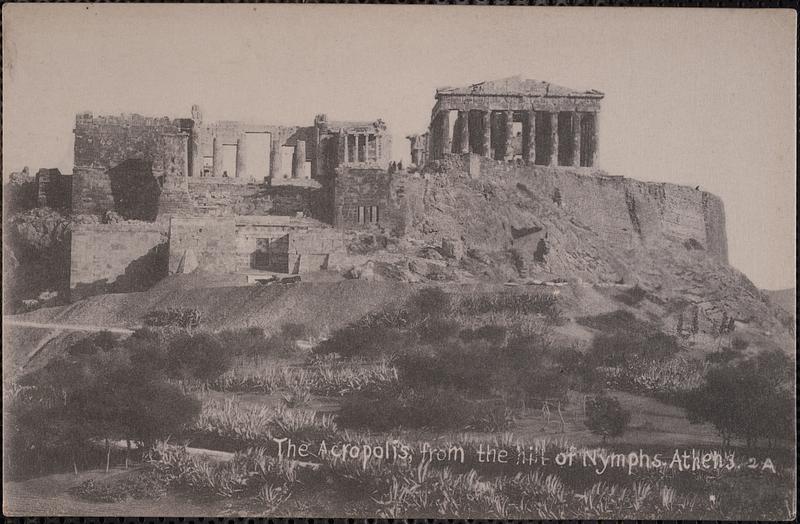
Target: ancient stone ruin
point(517, 119)
point(176, 195)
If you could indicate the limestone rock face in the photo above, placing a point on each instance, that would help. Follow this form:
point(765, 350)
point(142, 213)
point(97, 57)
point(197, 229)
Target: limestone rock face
point(537, 222)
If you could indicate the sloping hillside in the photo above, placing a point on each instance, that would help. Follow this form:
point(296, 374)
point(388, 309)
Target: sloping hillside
point(784, 298)
point(533, 222)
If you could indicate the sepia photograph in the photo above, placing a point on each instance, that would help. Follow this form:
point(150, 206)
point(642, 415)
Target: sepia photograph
point(395, 261)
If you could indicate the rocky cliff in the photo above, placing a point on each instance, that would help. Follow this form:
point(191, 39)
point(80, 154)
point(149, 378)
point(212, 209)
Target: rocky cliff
point(520, 223)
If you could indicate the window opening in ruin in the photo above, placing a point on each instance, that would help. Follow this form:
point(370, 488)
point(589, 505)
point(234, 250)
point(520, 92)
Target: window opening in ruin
point(565, 138)
point(452, 131)
point(229, 160)
point(208, 165)
point(257, 148)
point(542, 138)
point(476, 132)
point(371, 148)
point(516, 138)
point(362, 148)
point(587, 137)
point(351, 148)
point(271, 254)
point(287, 155)
point(498, 134)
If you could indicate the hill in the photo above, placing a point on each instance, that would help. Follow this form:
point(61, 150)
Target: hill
point(784, 298)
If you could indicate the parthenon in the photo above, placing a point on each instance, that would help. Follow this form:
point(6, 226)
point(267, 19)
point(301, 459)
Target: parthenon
point(517, 119)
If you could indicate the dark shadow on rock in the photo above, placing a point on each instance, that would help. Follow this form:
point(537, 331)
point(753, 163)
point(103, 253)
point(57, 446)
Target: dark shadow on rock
point(135, 190)
point(142, 273)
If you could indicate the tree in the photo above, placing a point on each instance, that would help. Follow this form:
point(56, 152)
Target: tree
point(97, 391)
point(607, 417)
point(750, 399)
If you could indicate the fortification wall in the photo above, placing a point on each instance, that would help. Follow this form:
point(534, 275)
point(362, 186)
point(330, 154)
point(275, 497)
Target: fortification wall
point(54, 190)
point(129, 164)
point(116, 258)
point(356, 191)
point(229, 244)
point(626, 212)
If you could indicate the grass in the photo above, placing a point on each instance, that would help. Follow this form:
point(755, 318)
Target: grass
point(229, 426)
point(325, 377)
point(421, 488)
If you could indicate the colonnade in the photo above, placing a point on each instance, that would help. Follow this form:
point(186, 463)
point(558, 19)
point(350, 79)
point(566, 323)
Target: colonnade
point(581, 150)
point(360, 147)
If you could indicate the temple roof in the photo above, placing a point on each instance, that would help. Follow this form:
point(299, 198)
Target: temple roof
point(335, 125)
point(518, 86)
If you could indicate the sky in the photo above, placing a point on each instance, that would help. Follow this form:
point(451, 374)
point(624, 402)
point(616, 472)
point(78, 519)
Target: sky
point(692, 96)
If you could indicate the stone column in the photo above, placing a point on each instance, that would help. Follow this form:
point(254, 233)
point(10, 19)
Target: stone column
point(447, 143)
point(298, 159)
point(553, 139)
point(463, 131)
point(576, 139)
point(217, 157)
point(487, 133)
point(241, 153)
point(367, 154)
point(196, 163)
point(275, 157)
point(530, 138)
point(595, 139)
point(508, 147)
point(346, 153)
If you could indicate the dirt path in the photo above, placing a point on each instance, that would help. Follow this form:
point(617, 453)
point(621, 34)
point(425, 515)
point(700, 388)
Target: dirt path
point(65, 327)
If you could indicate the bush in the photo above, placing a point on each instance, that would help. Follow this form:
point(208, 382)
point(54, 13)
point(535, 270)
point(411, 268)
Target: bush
point(421, 407)
point(140, 485)
point(631, 297)
point(606, 417)
point(250, 341)
point(430, 302)
point(519, 303)
point(618, 321)
point(102, 341)
point(199, 356)
point(186, 318)
point(619, 349)
point(437, 330)
point(358, 340)
point(467, 367)
point(750, 399)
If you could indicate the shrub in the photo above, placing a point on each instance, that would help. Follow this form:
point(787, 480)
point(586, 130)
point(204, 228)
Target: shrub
point(357, 340)
point(606, 417)
point(750, 399)
point(490, 333)
point(430, 302)
point(295, 331)
point(186, 318)
point(618, 349)
point(618, 321)
point(147, 484)
point(421, 407)
point(437, 330)
point(89, 345)
point(631, 297)
point(250, 341)
point(197, 356)
point(468, 367)
point(519, 303)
